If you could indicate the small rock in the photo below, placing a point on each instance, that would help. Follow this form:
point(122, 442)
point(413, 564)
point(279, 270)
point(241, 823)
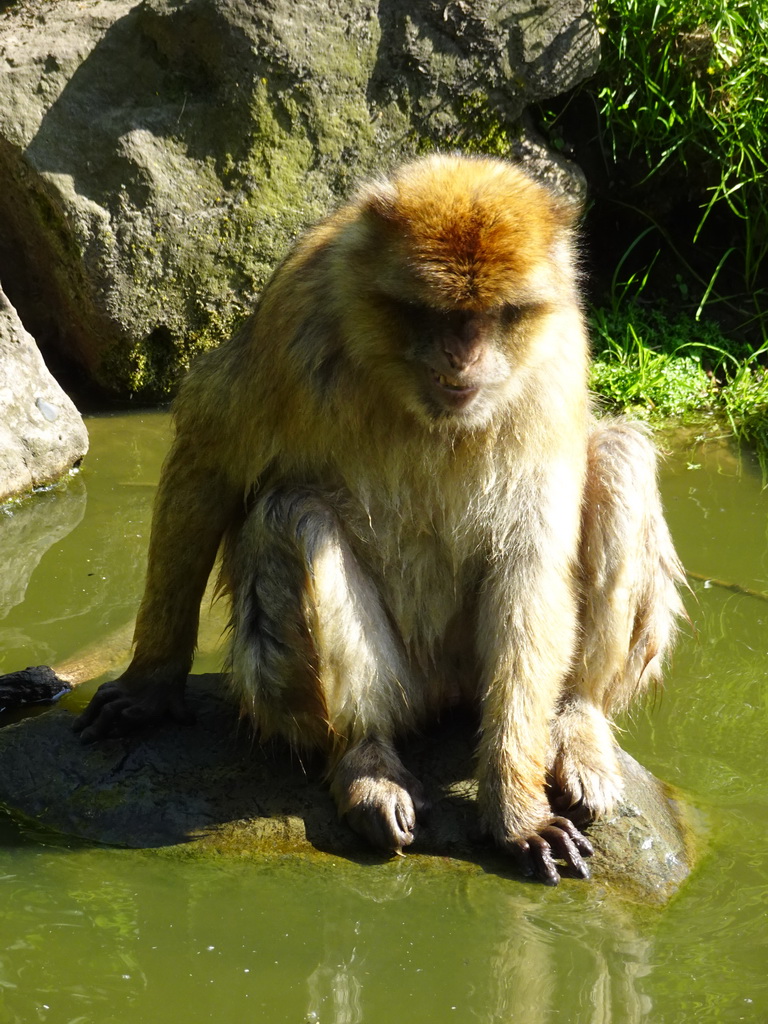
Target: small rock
point(36, 685)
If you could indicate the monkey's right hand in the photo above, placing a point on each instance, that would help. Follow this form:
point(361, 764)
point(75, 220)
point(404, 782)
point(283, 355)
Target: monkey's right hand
point(125, 705)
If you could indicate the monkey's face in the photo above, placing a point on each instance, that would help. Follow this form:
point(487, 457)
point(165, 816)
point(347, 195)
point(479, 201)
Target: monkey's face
point(460, 364)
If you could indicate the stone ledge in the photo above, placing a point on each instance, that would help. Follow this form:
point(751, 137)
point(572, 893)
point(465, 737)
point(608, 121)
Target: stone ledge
point(209, 790)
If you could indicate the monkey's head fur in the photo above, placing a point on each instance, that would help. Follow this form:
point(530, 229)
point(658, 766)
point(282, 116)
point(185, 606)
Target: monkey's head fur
point(475, 233)
point(445, 274)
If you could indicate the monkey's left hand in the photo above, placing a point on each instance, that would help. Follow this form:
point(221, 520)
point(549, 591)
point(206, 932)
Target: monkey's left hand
point(128, 705)
point(559, 838)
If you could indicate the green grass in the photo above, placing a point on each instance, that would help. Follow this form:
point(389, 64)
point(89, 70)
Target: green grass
point(683, 91)
point(673, 133)
point(628, 373)
point(658, 365)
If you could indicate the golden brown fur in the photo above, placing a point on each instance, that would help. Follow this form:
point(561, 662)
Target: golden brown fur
point(418, 509)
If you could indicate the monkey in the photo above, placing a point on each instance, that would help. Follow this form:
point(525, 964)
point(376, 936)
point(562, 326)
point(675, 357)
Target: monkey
point(397, 460)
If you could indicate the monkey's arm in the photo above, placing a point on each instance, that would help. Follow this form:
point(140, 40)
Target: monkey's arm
point(194, 504)
point(527, 626)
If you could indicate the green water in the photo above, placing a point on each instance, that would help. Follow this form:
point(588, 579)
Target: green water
point(103, 935)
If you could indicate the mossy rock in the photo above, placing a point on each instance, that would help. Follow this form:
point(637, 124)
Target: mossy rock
point(157, 159)
point(208, 789)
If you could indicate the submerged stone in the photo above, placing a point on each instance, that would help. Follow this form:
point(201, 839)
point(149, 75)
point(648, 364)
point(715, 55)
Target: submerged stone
point(209, 789)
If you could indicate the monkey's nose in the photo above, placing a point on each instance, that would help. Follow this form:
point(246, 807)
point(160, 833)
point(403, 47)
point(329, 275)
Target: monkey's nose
point(461, 356)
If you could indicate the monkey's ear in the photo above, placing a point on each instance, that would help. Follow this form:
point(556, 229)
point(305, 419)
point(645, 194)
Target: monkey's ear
point(380, 199)
point(568, 209)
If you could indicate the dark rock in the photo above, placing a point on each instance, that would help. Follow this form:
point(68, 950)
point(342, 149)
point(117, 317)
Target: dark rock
point(36, 685)
point(210, 787)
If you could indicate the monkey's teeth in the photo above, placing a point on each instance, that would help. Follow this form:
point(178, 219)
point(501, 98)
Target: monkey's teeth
point(446, 382)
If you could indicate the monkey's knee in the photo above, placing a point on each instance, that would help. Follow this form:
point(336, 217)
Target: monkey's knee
point(313, 654)
point(629, 569)
point(269, 571)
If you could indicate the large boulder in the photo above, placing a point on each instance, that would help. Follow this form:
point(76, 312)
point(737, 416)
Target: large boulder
point(42, 435)
point(207, 789)
point(156, 159)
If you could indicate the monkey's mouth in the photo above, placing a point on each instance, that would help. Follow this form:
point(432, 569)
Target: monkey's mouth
point(453, 390)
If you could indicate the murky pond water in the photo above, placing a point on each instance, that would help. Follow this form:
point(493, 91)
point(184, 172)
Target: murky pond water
point(104, 935)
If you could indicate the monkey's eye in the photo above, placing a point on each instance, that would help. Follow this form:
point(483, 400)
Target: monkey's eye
point(412, 306)
point(510, 314)
point(413, 311)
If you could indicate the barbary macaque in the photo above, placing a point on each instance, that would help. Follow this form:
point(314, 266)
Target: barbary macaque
point(415, 507)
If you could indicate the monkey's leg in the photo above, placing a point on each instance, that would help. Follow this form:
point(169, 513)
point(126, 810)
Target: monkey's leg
point(528, 623)
point(630, 603)
point(192, 507)
point(315, 658)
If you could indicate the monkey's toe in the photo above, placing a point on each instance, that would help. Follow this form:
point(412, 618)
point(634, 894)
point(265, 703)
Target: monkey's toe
point(377, 795)
point(586, 780)
point(386, 817)
point(386, 814)
point(568, 844)
point(537, 854)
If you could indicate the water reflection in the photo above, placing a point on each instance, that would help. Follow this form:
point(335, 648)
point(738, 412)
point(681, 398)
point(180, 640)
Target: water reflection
point(29, 529)
point(280, 944)
point(521, 959)
point(537, 969)
point(335, 987)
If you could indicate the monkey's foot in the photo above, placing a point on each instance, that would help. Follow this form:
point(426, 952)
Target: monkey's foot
point(378, 796)
point(526, 828)
point(559, 839)
point(588, 790)
point(585, 773)
point(119, 707)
